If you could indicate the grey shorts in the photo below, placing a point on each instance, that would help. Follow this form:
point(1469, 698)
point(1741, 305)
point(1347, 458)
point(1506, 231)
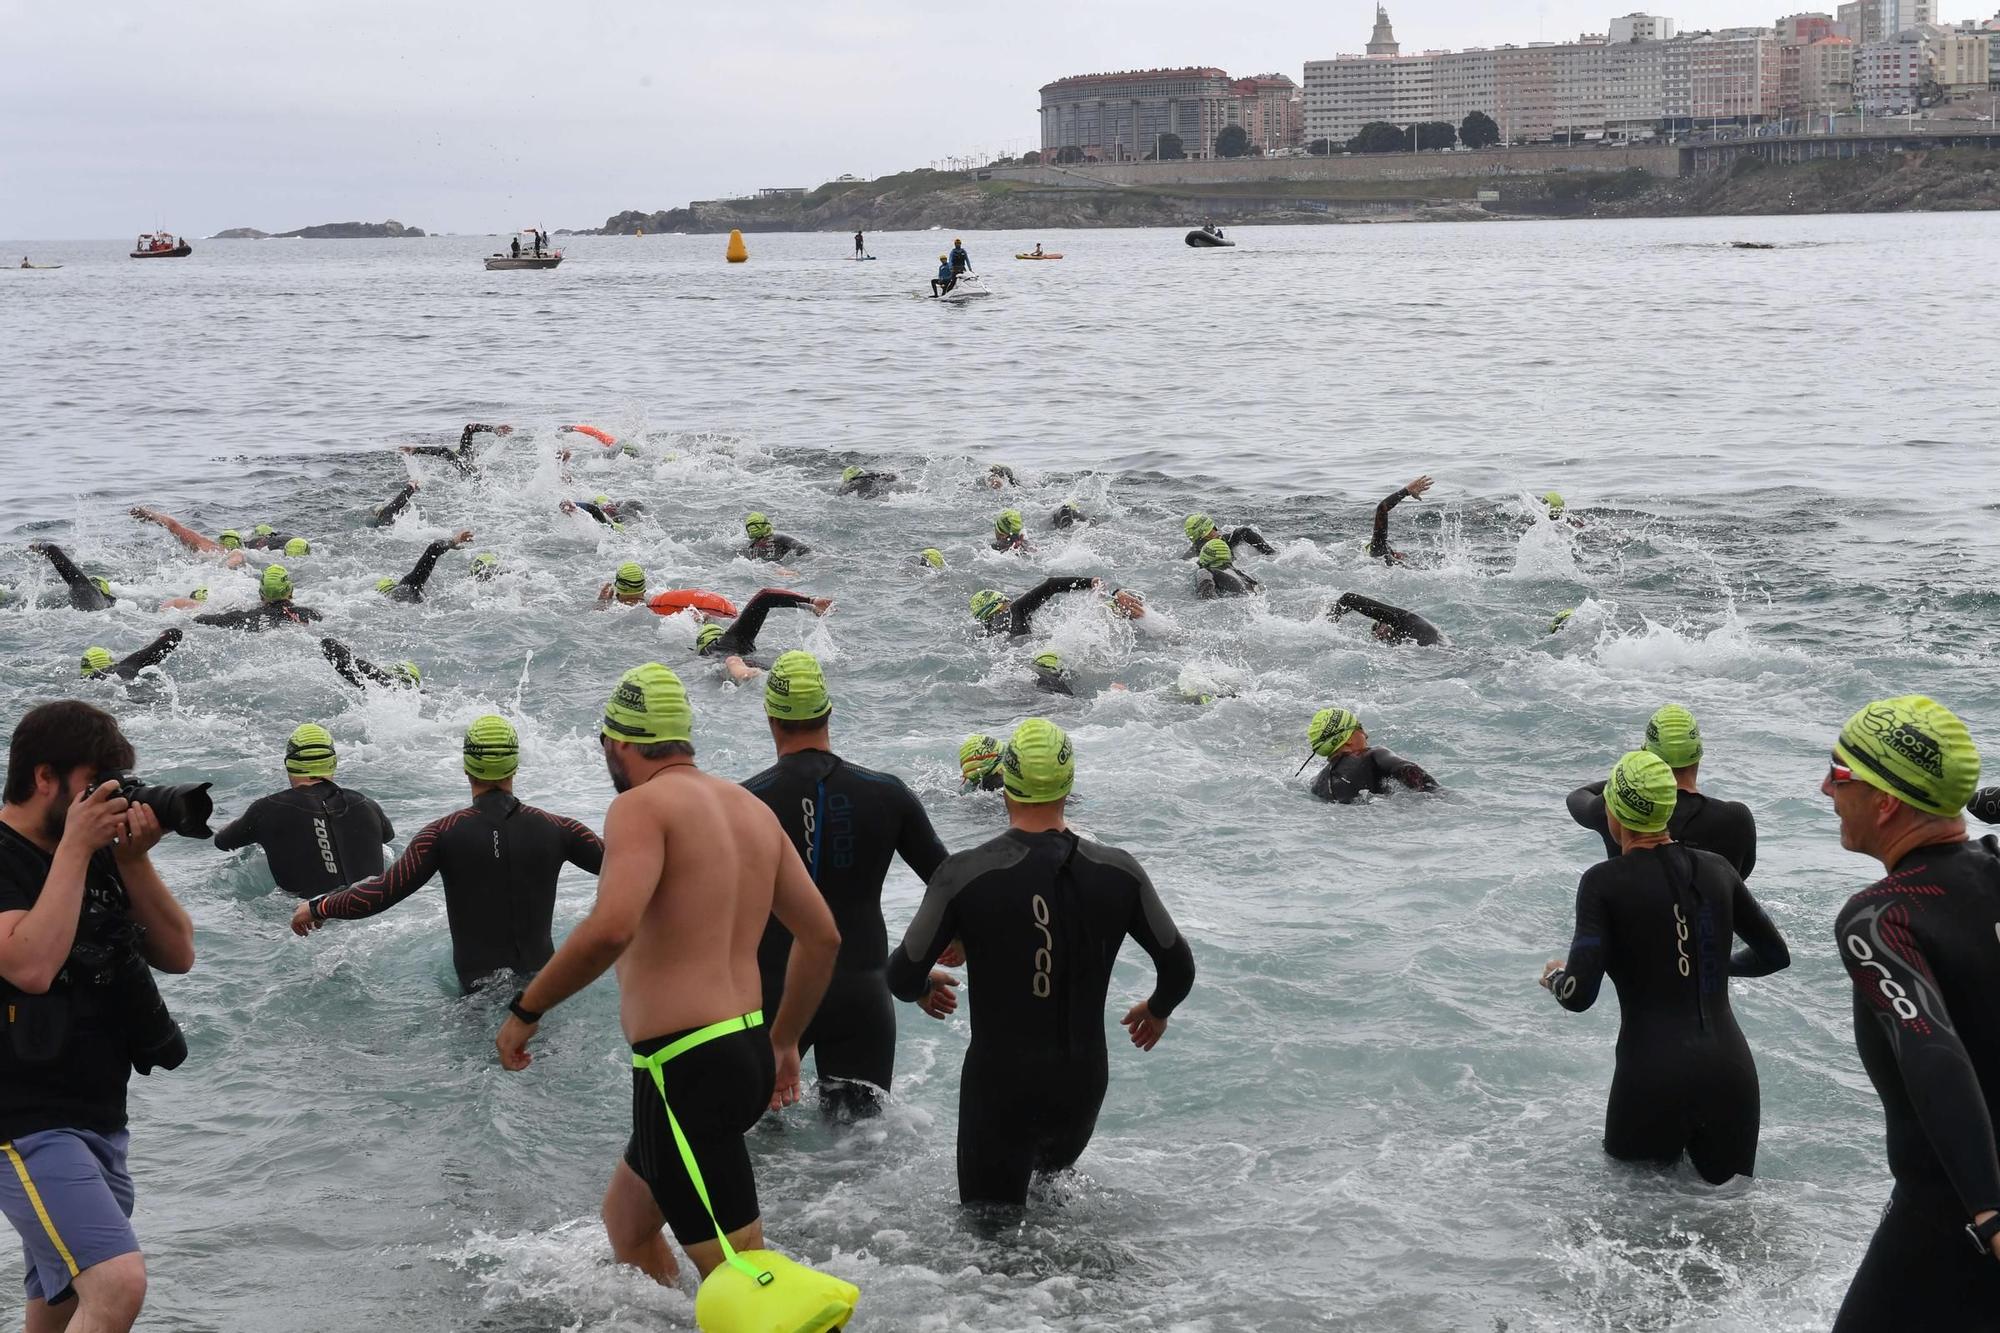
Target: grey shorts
point(68, 1194)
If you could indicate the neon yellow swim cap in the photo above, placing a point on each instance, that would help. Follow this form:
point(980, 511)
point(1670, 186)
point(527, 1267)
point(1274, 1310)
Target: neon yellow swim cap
point(649, 706)
point(978, 755)
point(1640, 792)
point(492, 749)
point(96, 659)
point(1039, 765)
point(1913, 748)
point(309, 753)
point(275, 585)
point(795, 689)
point(1329, 730)
point(1215, 555)
point(1673, 734)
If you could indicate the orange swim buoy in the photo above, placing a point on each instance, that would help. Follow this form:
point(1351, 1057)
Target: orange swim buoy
point(604, 438)
point(675, 600)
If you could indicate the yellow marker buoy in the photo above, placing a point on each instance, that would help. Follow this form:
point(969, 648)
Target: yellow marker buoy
point(736, 253)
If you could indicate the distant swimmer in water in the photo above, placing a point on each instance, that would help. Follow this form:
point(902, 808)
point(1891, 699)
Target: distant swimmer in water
point(98, 664)
point(846, 823)
point(194, 601)
point(979, 763)
point(734, 665)
point(500, 860)
point(264, 537)
point(627, 586)
point(694, 867)
point(1007, 535)
point(316, 834)
point(865, 485)
point(1561, 621)
point(1378, 541)
point(1657, 919)
point(767, 543)
point(931, 559)
point(1068, 515)
point(1392, 623)
point(86, 592)
point(1354, 767)
point(999, 477)
point(297, 548)
point(611, 513)
point(484, 567)
point(460, 457)
point(1558, 512)
point(274, 607)
point(1040, 914)
point(998, 615)
point(1923, 956)
point(1217, 576)
point(229, 547)
point(1051, 676)
point(410, 588)
point(1726, 828)
point(1201, 530)
point(388, 512)
point(361, 673)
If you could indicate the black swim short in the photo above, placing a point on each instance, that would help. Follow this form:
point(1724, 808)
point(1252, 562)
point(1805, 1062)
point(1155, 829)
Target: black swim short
point(718, 1091)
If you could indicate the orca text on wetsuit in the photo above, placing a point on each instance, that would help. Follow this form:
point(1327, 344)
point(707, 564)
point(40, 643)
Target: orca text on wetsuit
point(1041, 916)
point(1658, 920)
point(846, 822)
point(317, 837)
point(1923, 948)
point(500, 860)
point(1726, 828)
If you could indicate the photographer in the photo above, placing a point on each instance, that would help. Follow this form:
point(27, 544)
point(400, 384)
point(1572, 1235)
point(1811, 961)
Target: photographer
point(83, 914)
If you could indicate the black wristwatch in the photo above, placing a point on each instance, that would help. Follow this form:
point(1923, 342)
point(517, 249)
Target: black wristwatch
point(520, 1011)
point(1982, 1233)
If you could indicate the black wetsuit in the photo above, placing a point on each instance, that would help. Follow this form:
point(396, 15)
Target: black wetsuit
point(1348, 776)
point(1923, 948)
point(1985, 805)
point(1378, 540)
point(1069, 516)
point(83, 594)
point(1003, 541)
point(1053, 680)
point(387, 513)
point(151, 655)
point(868, 485)
point(1018, 618)
point(359, 671)
point(1658, 920)
point(1726, 828)
point(316, 837)
point(269, 541)
point(740, 638)
point(1210, 584)
point(1234, 538)
point(262, 616)
point(777, 546)
point(1404, 626)
point(1041, 916)
point(846, 821)
point(1002, 473)
point(461, 456)
point(994, 780)
point(500, 860)
point(410, 588)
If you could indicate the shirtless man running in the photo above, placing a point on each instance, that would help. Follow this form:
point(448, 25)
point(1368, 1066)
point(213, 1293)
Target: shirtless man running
point(694, 866)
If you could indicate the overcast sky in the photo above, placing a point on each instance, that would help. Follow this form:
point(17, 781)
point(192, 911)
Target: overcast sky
point(206, 114)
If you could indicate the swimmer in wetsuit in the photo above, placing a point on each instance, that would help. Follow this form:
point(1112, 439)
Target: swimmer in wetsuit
point(1726, 828)
point(1001, 616)
point(1392, 623)
point(85, 592)
point(1040, 913)
point(865, 485)
point(605, 510)
point(979, 764)
point(275, 606)
point(229, 546)
point(739, 637)
point(1069, 515)
point(846, 822)
point(410, 588)
point(766, 543)
point(1217, 576)
point(98, 665)
point(361, 673)
point(316, 835)
point(1378, 539)
point(388, 512)
point(627, 586)
point(1051, 676)
point(1657, 919)
point(1201, 530)
point(460, 457)
point(999, 477)
point(694, 867)
point(499, 859)
point(1354, 767)
point(1007, 534)
point(1922, 946)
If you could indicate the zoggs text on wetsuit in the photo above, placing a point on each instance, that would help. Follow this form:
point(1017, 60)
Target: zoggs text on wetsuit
point(846, 822)
point(1041, 916)
point(500, 860)
point(317, 837)
point(1659, 922)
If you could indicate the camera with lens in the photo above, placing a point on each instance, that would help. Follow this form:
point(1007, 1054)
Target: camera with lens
point(112, 963)
point(183, 808)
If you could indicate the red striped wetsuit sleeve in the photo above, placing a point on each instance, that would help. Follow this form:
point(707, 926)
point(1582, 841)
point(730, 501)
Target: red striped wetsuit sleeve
point(413, 870)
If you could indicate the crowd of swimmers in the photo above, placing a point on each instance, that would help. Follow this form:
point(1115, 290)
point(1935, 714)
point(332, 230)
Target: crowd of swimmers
point(746, 921)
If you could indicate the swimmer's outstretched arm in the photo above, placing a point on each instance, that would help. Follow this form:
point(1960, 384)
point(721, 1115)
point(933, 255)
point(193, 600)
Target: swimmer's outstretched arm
point(420, 573)
point(183, 534)
point(1574, 982)
point(1378, 541)
point(741, 636)
point(387, 513)
point(1029, 602)
point(151, 655)
point(83, 594)
point(413, 870)
point(1405, 771)
point(1254, 538)
point(1764, 951)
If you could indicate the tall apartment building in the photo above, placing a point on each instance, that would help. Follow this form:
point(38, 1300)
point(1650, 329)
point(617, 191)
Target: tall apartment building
point(1641, 28)
point(1901, 15)
point(1270, 111)
point(1120, 117)
point(1800, 29)
point(1864, 20)
point(1826, 76)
